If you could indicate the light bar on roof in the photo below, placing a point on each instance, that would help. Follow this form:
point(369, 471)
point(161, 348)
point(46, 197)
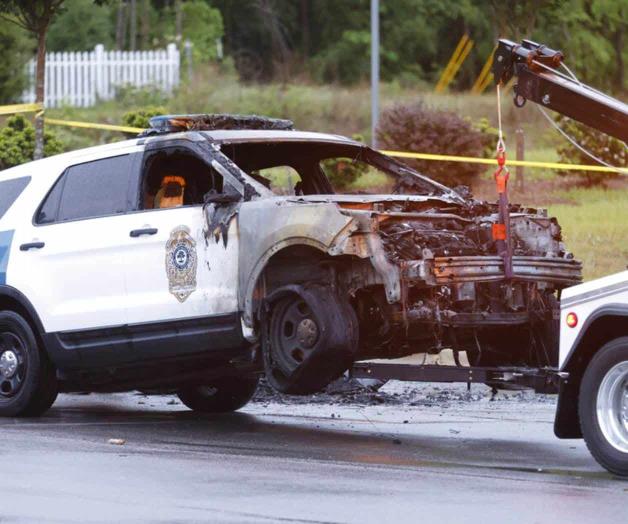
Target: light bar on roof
point(208, 122)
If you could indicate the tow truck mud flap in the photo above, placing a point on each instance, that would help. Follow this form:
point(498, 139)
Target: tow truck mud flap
point(540, 380)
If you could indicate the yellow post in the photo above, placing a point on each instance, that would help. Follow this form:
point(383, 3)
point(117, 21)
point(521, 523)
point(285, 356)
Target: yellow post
point(453, 70)
point(485, 83)
point(461, 43)
point(509, 86)
point(486, 69)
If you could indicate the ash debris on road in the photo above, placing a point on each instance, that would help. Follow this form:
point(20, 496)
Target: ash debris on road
point(396, 393)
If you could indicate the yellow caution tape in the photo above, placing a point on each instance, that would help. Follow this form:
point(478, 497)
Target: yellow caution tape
point(88, 125)
point(20, 108)
point(492, 161)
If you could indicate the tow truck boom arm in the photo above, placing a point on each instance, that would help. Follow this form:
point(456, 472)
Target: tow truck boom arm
point(538, 79)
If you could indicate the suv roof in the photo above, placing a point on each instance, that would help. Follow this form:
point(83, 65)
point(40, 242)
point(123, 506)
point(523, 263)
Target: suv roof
point(220, 136)
point(247, 135)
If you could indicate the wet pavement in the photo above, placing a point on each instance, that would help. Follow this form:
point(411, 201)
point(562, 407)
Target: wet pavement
point(466, 460)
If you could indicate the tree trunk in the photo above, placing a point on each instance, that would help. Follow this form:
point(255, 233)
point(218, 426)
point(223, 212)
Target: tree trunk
point(145, 24)
point(305, 28)
point(618, 44)
point(178, 21)
point(121, 25)
point(40, 89)
point(133, 26)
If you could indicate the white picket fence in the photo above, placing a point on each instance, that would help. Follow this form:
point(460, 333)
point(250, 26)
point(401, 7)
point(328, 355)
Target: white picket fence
point(80, 79)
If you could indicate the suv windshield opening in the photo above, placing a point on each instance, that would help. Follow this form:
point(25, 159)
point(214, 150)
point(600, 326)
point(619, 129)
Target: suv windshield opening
point(322, 168)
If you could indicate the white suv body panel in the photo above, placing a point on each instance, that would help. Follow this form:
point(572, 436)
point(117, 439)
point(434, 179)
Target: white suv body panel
point(77, 281)
point(583, 300)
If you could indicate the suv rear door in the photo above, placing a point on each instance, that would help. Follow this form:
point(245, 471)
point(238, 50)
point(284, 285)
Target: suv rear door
point(74, 251)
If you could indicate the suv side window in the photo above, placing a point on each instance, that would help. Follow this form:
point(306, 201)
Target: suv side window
point(10, 190)
point(93, 189)
point(175, 177)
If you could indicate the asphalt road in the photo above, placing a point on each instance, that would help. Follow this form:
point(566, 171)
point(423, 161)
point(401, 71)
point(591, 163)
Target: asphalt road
point(467, 462)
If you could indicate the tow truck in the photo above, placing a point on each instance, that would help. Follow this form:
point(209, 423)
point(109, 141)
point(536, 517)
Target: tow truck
point(591, 379)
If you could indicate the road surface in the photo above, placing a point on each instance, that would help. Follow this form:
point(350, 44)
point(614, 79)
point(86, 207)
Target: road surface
point(475, 461)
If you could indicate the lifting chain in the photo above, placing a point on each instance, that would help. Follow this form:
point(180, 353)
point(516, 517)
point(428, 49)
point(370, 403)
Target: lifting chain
point(501, 229)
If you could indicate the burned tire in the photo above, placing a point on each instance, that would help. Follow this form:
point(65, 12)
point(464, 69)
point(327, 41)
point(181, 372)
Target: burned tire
point(28, 384)
point(310, 337)
point(220, 396)
point(603, 406)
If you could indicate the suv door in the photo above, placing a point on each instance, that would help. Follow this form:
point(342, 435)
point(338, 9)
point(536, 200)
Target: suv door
point(181, 285)
point(74, 251)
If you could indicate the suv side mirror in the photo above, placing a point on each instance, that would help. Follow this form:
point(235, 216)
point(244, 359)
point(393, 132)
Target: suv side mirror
point(229, 196)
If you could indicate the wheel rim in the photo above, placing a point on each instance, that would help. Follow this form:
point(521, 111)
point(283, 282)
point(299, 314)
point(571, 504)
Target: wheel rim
point(12, 364)
point(294, 334)
point(612, 407)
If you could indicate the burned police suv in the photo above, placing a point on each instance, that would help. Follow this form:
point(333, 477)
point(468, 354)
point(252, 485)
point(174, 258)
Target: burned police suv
point(212, 249)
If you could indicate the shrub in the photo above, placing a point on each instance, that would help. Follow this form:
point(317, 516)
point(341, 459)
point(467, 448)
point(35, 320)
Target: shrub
point(489, 136)
point(418, 128)
point(343, 172)
point(606, 148)
point(17, 142)
point(141, 117)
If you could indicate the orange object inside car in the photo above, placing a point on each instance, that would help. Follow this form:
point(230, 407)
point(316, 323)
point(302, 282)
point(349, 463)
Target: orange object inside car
point(170, 193)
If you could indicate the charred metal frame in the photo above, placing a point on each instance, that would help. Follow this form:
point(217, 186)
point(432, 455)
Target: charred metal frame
point(449, 270)
point(544, 380)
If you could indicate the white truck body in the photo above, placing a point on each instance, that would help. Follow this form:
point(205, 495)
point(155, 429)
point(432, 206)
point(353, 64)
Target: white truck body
point(584, 300)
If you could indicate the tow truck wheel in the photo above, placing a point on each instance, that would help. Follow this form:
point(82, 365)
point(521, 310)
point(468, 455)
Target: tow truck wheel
point(310, 337)
point(221, 396)
point(28, 382)
point(603, 406)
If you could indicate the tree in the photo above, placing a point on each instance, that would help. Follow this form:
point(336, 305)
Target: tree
point(16, 48)
point(34, 16)
point(90, 25)
point(133, 25)
point(121, 24)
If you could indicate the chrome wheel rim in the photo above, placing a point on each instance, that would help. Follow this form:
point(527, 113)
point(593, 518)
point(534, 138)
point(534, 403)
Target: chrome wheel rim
point(612, 407)
point(12, 364)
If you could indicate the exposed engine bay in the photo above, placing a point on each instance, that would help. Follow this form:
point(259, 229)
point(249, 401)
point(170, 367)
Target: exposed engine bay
point(453, 293)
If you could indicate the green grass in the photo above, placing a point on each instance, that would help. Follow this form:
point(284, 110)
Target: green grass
point(370, 181)
point(541, 154)
point(595, 229)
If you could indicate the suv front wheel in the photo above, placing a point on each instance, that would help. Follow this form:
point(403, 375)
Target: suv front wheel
point(28, 383)
point(221, 396)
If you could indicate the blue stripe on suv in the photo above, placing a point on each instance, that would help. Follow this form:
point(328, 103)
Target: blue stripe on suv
point(5, 249)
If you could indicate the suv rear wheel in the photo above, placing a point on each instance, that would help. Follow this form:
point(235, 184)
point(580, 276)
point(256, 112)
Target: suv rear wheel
point(603, 406)
point(28, 384)
point(221, 396)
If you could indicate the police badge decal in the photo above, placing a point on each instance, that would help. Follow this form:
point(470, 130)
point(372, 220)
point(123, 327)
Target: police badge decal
point(181, 263)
